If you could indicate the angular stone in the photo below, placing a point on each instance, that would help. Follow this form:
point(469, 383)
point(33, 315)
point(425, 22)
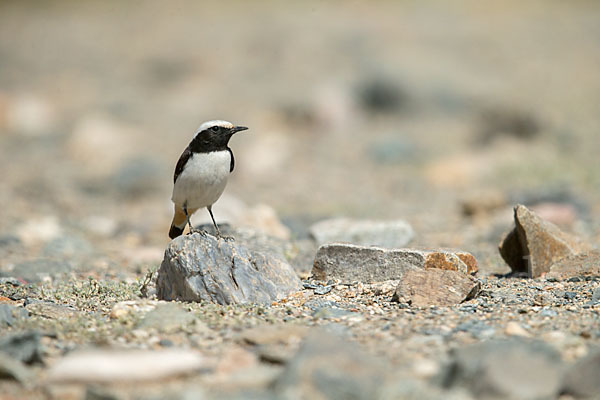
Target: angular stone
point(505, 369)
point(585, 264)
point(203, 268)
point(535, 244)
point(437, 287)
point(388, 234)
point(373, 264)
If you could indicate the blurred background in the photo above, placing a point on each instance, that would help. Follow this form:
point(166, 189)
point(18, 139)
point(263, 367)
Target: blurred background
point(442, 114)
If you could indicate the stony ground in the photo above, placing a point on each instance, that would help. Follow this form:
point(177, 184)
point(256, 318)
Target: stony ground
point(444, 116)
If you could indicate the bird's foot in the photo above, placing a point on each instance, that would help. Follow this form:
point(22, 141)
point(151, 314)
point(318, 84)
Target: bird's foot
point(225, 237)
point(201, 232)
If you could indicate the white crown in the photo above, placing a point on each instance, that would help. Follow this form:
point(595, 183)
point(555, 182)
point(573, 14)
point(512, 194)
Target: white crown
point(217, 122)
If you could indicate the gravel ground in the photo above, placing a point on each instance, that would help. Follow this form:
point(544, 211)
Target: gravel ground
point(443, 116)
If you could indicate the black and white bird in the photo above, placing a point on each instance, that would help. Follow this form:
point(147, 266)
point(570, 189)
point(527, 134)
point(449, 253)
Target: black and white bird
point(201, 173)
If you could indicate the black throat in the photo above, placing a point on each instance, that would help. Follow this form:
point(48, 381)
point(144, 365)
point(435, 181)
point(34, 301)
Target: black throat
point(207, 142)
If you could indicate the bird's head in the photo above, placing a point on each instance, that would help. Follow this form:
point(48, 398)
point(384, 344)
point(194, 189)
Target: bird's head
point(218, 130)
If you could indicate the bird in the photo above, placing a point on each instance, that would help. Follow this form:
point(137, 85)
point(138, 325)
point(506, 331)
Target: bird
point(201, 174)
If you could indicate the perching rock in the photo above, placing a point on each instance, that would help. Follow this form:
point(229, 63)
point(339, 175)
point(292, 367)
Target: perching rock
point(534, 245)
point(435, 287)
point(388, 234)
point(373, 264)
point(197, 267)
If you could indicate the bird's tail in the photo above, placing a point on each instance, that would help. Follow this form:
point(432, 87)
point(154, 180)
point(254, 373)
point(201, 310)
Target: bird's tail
point(178, 223)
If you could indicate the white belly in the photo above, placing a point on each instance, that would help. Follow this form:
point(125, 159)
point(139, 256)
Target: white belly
point(202, 180)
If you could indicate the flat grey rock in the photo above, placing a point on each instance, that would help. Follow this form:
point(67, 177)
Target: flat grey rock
point(388, 234)
point(202, 268)
point(354, 263)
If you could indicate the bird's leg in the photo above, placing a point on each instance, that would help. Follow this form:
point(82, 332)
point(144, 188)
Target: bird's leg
point(189, 222)
point(209, 208)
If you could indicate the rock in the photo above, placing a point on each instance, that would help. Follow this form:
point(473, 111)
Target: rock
point(349, 262)
point(235, 359)
point(534, 245)
point(124, 308)
point(10, 313)
point(329, 367)
point(109, 366)
point(275, 344)
point(596, 295)
point(428, 287)
point(388, 234)
point(168, 317)
point(51, 310)
point(581, 379)
point(9, 280)
point(24, 347)
point(238, 371)
point(585, 264)
point(203, 268)
point(336, 314)
point(501, 369)
point(39, 270)
point(14, 369)
point(515, 329)
point(274, 334)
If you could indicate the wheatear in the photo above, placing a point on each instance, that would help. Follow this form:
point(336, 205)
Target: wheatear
point(201, 173)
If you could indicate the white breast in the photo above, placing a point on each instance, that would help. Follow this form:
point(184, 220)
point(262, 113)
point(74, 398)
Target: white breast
point(202, 180)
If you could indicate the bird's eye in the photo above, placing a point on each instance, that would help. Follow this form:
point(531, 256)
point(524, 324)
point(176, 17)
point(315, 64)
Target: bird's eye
point(214, 128)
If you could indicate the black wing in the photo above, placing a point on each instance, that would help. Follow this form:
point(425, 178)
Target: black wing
point(232, 163)
point(185, 156)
